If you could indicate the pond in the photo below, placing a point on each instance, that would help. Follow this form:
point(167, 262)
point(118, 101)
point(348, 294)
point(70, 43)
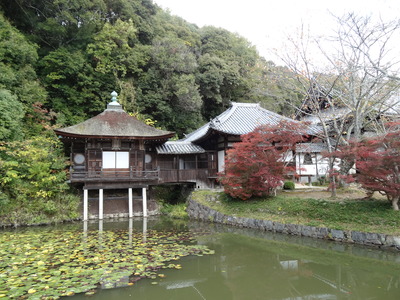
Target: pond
point(230, 263)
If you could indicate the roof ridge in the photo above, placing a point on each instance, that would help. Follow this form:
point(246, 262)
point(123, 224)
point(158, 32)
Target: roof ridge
point(245, 104)
point(223, 116)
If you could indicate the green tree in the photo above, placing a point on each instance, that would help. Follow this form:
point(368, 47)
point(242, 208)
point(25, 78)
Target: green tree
point(75, 90)
point(167, 25)
point(225, 66)
point(11, 114)
point(274, 87)
point(112, 48)
point(33, 182)
point(54, 24)
point(168, 90)
point(18, 80)
point(117, 52)
point(61, 23)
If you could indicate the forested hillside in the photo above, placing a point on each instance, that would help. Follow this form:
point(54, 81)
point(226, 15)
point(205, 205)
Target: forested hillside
point(59, 61)
point(68, 56)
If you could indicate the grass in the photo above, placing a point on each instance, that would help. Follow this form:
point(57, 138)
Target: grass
point(176, 211)
point(375, 215)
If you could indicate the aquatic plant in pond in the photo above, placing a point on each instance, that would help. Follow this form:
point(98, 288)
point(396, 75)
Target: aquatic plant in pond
point(48, 265)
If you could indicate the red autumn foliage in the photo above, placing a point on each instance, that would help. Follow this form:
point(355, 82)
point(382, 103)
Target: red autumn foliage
point(378, 163)
point(256, 166)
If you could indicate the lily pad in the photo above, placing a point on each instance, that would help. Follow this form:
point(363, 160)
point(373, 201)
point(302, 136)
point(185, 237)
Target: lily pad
point(63, 263)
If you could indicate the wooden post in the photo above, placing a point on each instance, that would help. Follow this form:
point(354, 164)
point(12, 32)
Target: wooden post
point(178, 167)
point(100, 204)
point(85, 205)
point(130, 203)
point(144, 195)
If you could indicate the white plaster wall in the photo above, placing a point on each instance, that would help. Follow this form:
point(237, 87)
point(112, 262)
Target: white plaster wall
point(221, 160)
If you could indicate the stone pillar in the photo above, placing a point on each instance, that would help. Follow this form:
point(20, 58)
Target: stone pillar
point(101, 212)
point(144, 229)
point(100, 226)
point(130, 203)
point(144, 195)
point(130, 231)
point(85, 234)
point(85, 205)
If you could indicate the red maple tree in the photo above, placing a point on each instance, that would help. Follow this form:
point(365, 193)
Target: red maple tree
point(256, 166)
point(377, 163)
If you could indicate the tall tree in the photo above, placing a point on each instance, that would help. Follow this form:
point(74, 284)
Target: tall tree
point(19, 85)
point(75, 90)
point(11, 114)
point(224, 68)
point(349, 94)
point(168, 90)
point(54, 24)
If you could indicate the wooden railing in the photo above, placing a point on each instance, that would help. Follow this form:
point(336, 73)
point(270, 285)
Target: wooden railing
point(186, 175)
point(116, 174)
point(163, 176)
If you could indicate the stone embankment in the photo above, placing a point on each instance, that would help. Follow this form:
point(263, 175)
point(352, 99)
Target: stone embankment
point(202, 212)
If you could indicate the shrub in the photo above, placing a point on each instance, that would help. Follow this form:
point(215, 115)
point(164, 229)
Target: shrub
point(177, 211)
point(288, 185)
point(33, 184)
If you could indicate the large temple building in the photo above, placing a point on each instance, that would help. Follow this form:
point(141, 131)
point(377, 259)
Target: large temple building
point(116, 152)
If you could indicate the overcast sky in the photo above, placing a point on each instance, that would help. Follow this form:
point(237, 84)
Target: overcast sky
point(266, 24)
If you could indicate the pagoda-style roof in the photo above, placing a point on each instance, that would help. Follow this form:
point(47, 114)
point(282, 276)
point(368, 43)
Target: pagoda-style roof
point(114, 123)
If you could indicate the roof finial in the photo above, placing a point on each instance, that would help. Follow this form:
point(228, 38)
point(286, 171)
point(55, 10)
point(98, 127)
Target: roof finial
point(114, 102)
point(114, 95)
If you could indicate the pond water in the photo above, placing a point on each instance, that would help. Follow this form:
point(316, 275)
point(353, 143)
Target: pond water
point(250, 264)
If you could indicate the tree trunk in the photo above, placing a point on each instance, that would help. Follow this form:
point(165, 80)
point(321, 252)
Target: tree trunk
point(332, 177)
point(345, 167)
point(333, 188)
point(395, 203)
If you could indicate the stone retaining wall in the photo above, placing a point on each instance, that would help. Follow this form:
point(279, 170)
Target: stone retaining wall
point(204, 213)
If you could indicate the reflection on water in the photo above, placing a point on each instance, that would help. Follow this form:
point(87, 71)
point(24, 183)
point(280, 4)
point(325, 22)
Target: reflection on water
point(250, 264)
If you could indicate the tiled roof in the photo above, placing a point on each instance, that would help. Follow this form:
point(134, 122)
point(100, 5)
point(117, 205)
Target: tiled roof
point(114, 122)
point(241, 118)
point(311, 147)
point(179, 147)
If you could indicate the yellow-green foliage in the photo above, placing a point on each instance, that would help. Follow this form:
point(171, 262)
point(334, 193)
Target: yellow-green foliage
point(33, 182)
point(176, 211)
point(147, 121)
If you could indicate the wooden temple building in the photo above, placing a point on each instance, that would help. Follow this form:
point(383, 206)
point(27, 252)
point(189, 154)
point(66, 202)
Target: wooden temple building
point(115, 151)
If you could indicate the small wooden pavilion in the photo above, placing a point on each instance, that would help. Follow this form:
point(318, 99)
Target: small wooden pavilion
point(113, 150)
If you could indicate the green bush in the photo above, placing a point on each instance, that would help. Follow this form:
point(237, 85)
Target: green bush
point(176, 211)
point(33, 186)
point(288, 185)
